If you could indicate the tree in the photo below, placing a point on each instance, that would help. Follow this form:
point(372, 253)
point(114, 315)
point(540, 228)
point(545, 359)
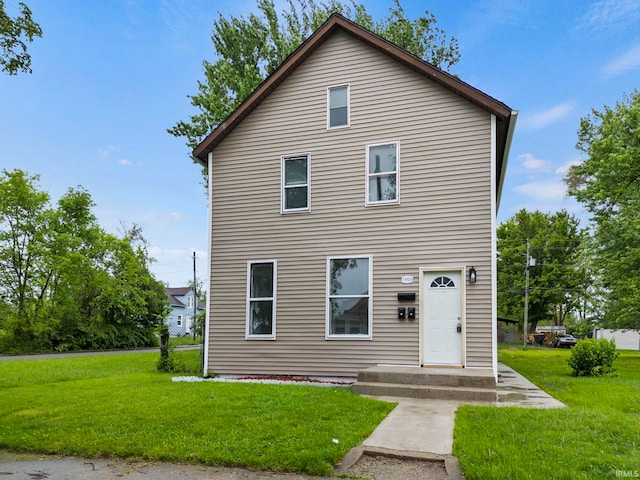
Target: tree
point(250, 49)
point(24, 220)
point(65, 283)
point(14, 32)
point(607, 182)
point(557, 282)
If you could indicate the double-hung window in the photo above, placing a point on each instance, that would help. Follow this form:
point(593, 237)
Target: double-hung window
point(261, 300)
point(349, 297)
point(338, 106)
point(296, 184)
point(382, 173)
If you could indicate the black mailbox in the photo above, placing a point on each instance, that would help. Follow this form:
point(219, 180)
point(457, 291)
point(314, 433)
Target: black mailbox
point(402, 313)
point(411, 313)
point(407, 297)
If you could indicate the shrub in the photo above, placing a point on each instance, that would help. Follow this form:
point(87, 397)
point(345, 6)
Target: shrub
point(593, 358)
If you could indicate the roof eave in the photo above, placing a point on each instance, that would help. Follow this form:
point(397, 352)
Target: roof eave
point(505, 156)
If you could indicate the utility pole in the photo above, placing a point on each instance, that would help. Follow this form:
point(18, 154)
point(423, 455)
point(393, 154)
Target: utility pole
point(195, 298)
point(531, 262)
point(526, 299)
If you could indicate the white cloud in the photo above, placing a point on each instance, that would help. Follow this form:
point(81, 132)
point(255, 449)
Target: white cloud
point(172, 217)
point(543, 190)
point(623, 63)
point(530, 162)
point(547, 117)
point(610, 15)
point(563, 169)
point(104, 152)
point(125, 162)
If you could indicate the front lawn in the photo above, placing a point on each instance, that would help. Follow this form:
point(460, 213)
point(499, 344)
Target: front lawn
point(596, 437)
point(117, 405)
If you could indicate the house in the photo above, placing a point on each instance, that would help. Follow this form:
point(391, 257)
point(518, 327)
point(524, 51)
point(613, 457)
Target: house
point(352, 214)
point(180, 320)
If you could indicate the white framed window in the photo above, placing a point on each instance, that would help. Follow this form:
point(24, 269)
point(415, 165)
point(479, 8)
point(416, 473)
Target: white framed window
point(261, 299)
point(296, 183)
point(349, 297)
point(338, 111)
point(190, 301)
point(179, 321)
point(383, 173)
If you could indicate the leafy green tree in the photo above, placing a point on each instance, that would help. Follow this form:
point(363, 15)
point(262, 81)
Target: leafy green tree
point(24, 272)
point(249, 49)
point(557, 282)
point(14, 32)
point(65, 283)
point(608, 184)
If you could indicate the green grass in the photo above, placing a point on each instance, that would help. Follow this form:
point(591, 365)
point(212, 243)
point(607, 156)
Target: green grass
point(117, 405)
point(186, 340)
point(595, 437)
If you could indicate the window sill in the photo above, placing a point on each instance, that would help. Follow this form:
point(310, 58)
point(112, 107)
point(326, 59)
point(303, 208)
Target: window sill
point(348, 337)
point(381, 204)
point(290, 212)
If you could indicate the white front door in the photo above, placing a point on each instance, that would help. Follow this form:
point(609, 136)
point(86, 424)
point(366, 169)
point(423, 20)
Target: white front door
point(442, 318)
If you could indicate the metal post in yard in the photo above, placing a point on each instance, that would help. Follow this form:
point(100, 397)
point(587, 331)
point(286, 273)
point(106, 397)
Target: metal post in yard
point(526, 300)
point(195, 298)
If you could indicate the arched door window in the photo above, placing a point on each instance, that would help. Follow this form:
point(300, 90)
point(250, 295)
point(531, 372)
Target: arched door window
point(442, 282)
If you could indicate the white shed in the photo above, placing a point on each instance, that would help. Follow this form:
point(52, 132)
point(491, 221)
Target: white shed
point(625, 339)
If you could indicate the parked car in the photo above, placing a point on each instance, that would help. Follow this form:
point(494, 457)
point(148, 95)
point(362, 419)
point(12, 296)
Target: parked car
point(565, 341)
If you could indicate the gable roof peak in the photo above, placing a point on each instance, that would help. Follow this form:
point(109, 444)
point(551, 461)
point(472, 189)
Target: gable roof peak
point(336, 22)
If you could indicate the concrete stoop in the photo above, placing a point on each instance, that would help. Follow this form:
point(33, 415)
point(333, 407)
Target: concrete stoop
point(427, 383)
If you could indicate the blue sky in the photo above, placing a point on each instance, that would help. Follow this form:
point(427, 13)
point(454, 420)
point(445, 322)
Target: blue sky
point(109, 77)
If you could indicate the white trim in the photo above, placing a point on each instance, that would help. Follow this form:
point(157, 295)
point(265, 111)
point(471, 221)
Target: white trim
point(494, 251)
point(283, 201)
point(327, 334)
point(463, 308)
point(273, 299)
point(337, 127)
point(367, 148)
point(207, 316)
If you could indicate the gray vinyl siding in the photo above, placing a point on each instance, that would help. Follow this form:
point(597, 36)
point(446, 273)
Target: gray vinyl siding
point(443, 218)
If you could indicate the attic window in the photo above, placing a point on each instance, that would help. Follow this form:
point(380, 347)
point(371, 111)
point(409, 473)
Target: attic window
point(338, 106)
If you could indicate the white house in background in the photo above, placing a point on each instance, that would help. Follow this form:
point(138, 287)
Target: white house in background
point(180, 320)
point(625, 339)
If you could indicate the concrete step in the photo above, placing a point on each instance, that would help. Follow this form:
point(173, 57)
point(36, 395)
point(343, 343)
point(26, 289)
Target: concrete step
point(436, 377)
point(433, 392)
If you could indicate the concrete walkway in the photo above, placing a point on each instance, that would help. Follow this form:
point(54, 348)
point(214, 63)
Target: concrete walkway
point(423, 429)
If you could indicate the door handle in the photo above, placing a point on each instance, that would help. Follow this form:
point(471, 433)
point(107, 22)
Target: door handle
point(459, 327)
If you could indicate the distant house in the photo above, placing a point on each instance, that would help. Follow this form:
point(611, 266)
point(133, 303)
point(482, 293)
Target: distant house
point(180, 320)
point(625, 339)
point(352, 211)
